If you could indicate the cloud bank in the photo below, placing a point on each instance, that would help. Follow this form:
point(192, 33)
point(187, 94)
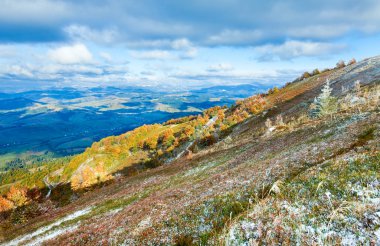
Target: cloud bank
point(156, 42)
point(73, 54)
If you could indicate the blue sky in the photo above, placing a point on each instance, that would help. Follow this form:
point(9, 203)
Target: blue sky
point(179, 44)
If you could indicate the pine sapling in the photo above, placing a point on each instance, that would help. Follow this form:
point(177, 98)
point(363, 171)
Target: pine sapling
point(324, 104)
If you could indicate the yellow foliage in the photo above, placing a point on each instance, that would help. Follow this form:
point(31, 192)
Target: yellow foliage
point(166, 135)
point(17, 196)
point(75, 182)
point(5, 204)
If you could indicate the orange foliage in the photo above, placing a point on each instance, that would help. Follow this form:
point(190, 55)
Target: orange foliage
point(352, 61)
point(201, 120)
point(188, 130)
point(5, 204)
point(340, 64)
point(180, 120)
point(17, 196)
point(166, 135)
point(88, 177)
point(150, 143)
point(76, 182)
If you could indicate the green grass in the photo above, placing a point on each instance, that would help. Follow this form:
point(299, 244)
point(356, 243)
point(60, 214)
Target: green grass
point(7, 158)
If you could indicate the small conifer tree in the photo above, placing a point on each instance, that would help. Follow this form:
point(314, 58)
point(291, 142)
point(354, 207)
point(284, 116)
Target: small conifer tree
point(279, 120)
point(324, 104)
point(268, 124)
point(357, 86)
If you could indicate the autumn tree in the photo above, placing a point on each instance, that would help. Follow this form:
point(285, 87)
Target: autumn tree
point(141, 143)
point(340, 64)
point(352, 61)
point(115, 150)
point(150, 143)
point(305, 75)
point(316, 71)
point(88, 176)
point(17, 196)
point(160, 152)
point(76, 182)
point(221, 115)
point(244, 115)
point(101, 173)
point(166, 135)
point(5, 204)
point(188, 130)
point(201, 120)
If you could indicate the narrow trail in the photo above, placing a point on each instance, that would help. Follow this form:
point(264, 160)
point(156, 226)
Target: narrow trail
point(188, 146)
point(49, 185)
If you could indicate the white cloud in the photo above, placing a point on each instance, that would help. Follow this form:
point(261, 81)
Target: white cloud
point(84, 33)
point(69, 70)
point(185, 47)
point(106, 56)
point(37, 11)
point(182, 43)
point(319, 31)
point(235, 37)
point(293, 49)
point(7, 51)
point(189, 54)
point(71, 54)
point(149, 22)
point(149, 44)
point(152, 55)
point(230, 77)
point(220, 67)
point(20, 71)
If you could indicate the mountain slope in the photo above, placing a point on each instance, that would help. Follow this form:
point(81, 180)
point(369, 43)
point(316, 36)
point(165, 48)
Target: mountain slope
point(249, 185)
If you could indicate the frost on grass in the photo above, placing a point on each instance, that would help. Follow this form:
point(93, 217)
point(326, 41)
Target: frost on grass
point(50, 231)
point(339, 204)
point(200, 168)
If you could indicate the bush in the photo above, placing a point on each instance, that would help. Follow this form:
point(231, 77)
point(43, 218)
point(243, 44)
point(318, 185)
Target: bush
point(340, 64)
point(305, 75)
point(273, 90)
point(184, 240)
point(352, 61)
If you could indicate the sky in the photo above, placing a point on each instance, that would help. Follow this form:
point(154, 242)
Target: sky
point(177, 43)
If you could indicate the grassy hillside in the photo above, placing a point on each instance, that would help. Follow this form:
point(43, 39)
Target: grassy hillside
point(278, 168)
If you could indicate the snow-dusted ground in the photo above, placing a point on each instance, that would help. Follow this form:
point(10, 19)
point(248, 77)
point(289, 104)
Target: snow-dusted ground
point(48, 232)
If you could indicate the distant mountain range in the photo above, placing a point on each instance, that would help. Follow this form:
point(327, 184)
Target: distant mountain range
point(67, 120)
